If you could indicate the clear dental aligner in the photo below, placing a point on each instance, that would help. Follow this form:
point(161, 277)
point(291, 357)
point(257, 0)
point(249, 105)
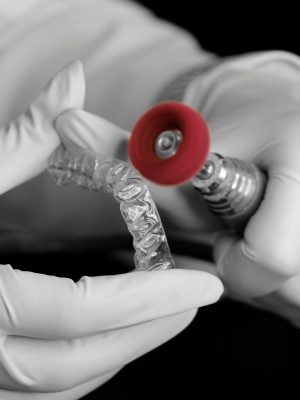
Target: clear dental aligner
point(96, 172)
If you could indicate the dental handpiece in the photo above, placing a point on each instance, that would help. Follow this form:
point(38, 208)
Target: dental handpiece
point(170, 145)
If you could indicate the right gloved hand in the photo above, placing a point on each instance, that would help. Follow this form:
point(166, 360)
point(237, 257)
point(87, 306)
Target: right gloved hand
point(251, 104)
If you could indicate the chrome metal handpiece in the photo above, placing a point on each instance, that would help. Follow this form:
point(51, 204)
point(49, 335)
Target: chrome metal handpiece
point(231, 188)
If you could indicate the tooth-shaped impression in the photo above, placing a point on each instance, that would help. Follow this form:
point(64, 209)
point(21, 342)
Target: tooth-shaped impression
point(96, 172)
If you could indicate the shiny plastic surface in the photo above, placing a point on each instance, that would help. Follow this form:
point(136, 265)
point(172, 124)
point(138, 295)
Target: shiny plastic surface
point(99, 173)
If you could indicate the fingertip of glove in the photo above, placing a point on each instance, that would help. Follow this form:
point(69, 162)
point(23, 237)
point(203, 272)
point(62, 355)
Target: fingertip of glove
point(76, 72)
point(207, 287)
point(67, 86)
point(186, 289)
point(74, 66)
point(90, 131)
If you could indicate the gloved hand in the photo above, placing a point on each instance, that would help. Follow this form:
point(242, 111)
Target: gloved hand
point(251, 105)
point(60, 339)
point(252, 108)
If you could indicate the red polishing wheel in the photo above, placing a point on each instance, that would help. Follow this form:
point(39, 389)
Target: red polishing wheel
point(191, 153)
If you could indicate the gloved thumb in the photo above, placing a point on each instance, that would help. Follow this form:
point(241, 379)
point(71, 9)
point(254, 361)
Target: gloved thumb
point(80, 129)
point(27, 142)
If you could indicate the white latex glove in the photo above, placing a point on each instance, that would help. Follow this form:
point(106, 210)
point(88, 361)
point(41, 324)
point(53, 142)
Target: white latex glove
point(252, 107)
point(28, 141)
point(59, 339)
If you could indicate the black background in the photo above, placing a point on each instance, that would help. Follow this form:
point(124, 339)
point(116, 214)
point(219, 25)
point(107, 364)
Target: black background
point(228, 28)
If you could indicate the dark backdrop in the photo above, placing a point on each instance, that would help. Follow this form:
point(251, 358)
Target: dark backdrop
point(227, 28)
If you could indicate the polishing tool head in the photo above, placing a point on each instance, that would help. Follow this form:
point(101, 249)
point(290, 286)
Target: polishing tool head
point(169, 144)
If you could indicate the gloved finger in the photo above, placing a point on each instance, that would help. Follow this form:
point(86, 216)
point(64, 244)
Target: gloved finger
point(41, 365)
point(88, 131)
point(27, 142)
point(181, 261)
point(49, 307)
point(269, 253)
point(74, 393)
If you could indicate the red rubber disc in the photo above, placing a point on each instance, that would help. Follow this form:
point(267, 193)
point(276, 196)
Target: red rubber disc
point(191, 153)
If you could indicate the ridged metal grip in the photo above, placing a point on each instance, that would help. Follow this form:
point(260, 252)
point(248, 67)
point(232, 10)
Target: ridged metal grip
point(231, 188)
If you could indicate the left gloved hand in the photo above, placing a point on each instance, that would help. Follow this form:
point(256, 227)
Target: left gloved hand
point(28, 141)
point(59, 339)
